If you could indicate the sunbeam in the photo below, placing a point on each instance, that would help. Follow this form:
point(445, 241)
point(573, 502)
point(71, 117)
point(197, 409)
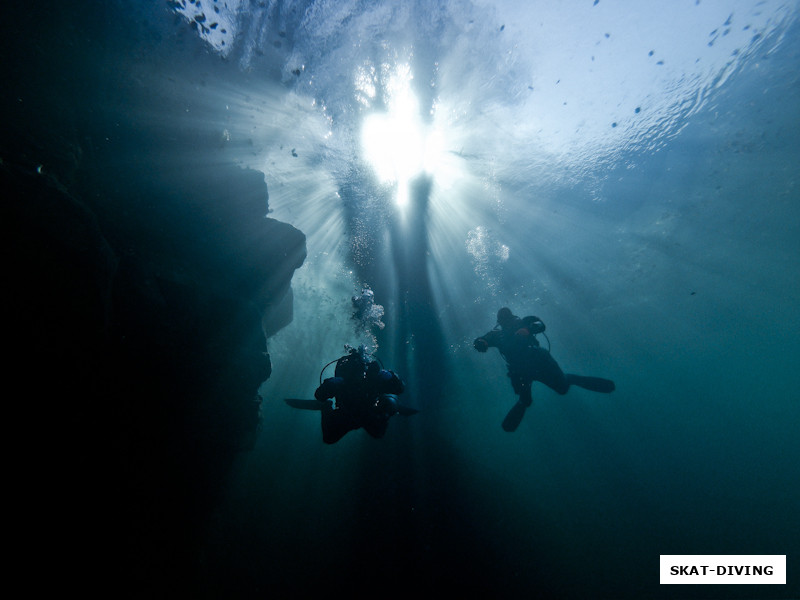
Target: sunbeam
point(215, 189)
point(397, 143)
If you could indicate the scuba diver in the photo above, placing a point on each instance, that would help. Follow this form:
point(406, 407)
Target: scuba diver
point(527, 362)
point(365, 393)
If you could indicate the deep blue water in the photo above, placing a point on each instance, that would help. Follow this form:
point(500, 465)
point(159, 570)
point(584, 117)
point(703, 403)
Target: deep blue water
point(626, 171)
point(629, 176)
point(626, 175)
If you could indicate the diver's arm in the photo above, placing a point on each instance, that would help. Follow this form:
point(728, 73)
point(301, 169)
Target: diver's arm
point(390, 382)
point(486, 341)
point(534, 324)
point(329, 388)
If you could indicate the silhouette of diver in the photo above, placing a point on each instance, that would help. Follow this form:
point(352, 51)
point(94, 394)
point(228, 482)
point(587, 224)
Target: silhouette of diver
point(528, 362)
point(366, 396)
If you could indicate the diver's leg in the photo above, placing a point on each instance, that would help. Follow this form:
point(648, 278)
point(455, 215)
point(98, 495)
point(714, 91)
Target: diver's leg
point(595, 384)
point(547, 371)
point(376, 425)
point(521, 381)
point(525, 395)
point(377, 418)
point(335, 424)
point(514, 417)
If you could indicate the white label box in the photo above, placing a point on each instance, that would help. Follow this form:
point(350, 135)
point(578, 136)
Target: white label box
point(723, 569)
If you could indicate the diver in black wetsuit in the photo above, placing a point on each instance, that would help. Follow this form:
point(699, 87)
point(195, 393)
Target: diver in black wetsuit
point(528, 362)
point(366, 396)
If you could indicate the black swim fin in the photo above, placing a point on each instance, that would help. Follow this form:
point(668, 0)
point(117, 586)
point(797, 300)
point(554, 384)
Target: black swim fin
point(514, 416)
point(595, 384)
point(304, 404)
point(405, 411)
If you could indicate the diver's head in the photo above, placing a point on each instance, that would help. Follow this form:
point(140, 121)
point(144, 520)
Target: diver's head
point(505, 316)
point(373, 369)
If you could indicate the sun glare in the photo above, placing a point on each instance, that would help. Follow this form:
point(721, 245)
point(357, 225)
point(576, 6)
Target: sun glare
point(397, 143)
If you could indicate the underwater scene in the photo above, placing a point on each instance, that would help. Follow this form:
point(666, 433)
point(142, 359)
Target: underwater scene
point(401, 297)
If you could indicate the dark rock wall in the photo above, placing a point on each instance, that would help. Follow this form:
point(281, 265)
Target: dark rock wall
point(136, 295)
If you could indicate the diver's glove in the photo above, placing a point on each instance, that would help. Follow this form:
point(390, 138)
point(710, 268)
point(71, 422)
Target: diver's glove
point(481, 345)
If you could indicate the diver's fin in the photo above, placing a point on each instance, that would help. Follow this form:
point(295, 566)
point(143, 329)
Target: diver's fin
point(514, 416)
point(595, 384)
point(406, 411)
point(304, 404)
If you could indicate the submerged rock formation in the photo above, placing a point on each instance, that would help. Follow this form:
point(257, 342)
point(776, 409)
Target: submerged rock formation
point(138, 297)
point(140, 362)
